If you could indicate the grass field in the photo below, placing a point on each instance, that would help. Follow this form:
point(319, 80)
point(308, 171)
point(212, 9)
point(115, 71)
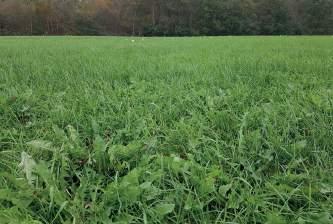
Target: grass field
point(166, 130)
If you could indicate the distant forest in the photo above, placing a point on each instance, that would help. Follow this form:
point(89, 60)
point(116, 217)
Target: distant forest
point(166, 17)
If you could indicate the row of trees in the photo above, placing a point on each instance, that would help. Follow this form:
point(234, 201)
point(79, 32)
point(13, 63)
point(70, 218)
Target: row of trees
point(166, 17)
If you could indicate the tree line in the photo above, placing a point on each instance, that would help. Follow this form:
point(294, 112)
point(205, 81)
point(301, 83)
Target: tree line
point(166, 17)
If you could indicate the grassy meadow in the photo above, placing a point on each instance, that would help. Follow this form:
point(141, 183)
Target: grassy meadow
point(166, 130)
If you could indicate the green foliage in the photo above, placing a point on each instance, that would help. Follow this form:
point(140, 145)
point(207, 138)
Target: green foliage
point(166, 18)
point(166, 130)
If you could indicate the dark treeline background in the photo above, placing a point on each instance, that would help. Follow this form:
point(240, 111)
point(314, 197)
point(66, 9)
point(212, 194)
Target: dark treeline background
point(165, 17)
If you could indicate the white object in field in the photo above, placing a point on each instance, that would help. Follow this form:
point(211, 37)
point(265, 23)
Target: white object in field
point(133, 41)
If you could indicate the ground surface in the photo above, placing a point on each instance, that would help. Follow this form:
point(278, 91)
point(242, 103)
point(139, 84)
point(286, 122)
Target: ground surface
point(166, 130)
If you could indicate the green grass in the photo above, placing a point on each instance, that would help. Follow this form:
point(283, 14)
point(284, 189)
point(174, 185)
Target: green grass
point(166, 130)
